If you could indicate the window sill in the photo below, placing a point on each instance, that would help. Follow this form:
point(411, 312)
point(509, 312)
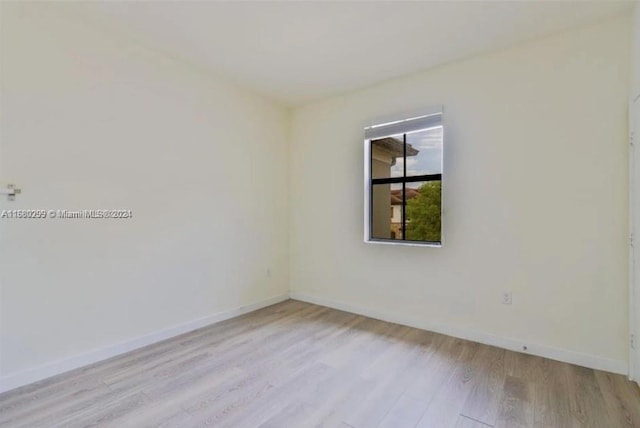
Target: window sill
point(403, 243)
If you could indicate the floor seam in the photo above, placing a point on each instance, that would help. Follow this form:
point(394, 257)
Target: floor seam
point(476, 420)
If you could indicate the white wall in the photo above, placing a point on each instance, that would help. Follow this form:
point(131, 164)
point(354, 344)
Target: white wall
point(535, 200)
point(635, 53)
point(634, 122)
point(92, 121)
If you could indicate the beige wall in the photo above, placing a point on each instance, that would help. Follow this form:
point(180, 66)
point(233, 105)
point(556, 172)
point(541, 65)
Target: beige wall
point(535, 198)
point(635, 79)
point(90, 120)
point(635, 189)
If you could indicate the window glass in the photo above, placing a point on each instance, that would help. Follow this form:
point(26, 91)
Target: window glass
point(423, 211)
point(386, 218)
point(426, 152)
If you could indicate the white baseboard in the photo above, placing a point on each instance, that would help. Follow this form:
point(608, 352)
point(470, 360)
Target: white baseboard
point(585, 360)
point(57, 367)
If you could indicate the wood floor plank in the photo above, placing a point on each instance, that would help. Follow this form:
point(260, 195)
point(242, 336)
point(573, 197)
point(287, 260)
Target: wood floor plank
point(105, 414)
point(300, 365)
point(281, 397)
point(622, 399)
point(524, 366)
point(437, 369)
point(552, 408)
point(483, 402)
point(305, 358)
point(465, 422)
point(45, 416)
point(447, 403)
point(226, 361)
point(588, 408)
point(517, 404)
point(372, 408)
point(393, 374)
point(157, 415)
point(406, 412)
point(291, 416)
point(51, 396)
point(371, 331)
point(221, 407)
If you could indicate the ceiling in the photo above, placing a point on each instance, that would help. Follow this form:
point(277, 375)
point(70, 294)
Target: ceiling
point(297, 52)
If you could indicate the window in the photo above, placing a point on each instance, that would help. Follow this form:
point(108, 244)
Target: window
point(403, 181)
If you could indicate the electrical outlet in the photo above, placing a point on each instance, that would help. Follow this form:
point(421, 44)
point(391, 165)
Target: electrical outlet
point(268, 272)
point(506, 298)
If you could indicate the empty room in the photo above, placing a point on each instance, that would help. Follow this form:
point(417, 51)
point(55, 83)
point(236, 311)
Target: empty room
point(339, 214)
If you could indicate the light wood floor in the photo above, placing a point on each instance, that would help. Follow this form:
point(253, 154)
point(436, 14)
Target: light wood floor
point(301, 365)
